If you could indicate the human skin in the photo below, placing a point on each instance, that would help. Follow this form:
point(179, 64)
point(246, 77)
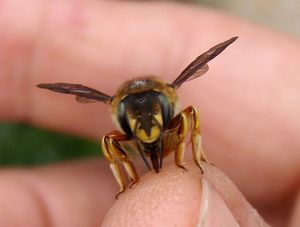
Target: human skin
point(248, 103)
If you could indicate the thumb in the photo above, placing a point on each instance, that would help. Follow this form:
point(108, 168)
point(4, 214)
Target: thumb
point(183, 198)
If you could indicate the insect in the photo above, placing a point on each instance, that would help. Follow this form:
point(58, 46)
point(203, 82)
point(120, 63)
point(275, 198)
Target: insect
point(147, 114)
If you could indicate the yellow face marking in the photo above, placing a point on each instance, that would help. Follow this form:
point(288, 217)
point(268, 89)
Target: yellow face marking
point(132, 122)
point(154, 134)
point(155, 130)
point(158, 117)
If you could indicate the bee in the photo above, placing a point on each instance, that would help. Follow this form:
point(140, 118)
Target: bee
point(146, 111)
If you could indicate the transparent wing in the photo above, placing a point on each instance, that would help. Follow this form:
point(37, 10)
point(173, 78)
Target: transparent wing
point(199, 72)
point(85, 100)
point(82, 92)
point(200, 62)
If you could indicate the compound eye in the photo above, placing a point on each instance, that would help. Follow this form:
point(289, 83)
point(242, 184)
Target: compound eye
point(123, 120)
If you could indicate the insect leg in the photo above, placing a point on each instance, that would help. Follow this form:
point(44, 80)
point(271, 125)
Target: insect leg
point(114, 153)
point(198, 154)
point(182, 133)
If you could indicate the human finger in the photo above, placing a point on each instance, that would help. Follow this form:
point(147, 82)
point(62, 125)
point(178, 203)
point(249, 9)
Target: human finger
point(183, 198)
point(69, 194)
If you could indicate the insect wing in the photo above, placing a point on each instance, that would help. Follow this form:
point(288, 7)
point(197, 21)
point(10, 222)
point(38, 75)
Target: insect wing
point(82, 93)
point(200, 62)
point(199, 72)
point(84, 99)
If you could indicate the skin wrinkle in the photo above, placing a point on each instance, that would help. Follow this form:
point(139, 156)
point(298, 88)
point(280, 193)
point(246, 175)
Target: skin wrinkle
point(46, 183)
point(49, 201)
point(45, 209)
point(29, 188)
point(204, 204)
point(68, 191)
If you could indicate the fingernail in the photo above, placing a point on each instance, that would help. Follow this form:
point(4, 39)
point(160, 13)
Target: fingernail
point(213, 210)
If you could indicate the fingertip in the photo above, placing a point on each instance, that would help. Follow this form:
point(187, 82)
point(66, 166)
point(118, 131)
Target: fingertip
point(169, 198)
point(182, 198)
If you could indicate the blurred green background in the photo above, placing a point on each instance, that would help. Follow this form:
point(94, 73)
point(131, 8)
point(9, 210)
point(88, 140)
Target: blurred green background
point(36, 146)
point(25, 145)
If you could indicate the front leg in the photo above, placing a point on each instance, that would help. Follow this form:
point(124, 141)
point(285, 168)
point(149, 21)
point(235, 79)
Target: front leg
point(114, 153)
point(189, 117)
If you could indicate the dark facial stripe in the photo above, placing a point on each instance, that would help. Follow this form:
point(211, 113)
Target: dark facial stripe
point(166, 110)
point(123, 120)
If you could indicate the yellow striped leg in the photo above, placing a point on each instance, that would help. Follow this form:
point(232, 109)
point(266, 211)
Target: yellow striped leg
point(189, 117)
point(114, 153)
